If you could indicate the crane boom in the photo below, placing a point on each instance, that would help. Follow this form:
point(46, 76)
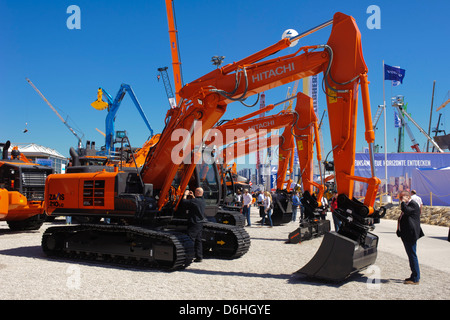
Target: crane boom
point(403, 113)
point(167, 86)
point(54, 110)
point(173, 34)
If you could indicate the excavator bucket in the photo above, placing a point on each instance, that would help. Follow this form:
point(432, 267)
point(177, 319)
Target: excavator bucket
point(282, 208)
point(338, 257)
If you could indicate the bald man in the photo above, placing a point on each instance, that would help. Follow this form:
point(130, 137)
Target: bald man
point(195, 210)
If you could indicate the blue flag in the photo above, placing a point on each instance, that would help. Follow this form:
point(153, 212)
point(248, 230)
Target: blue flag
point(397, 120)
point(393, 73)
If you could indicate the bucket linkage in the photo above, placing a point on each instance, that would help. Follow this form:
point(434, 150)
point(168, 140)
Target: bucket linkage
point(314, 223)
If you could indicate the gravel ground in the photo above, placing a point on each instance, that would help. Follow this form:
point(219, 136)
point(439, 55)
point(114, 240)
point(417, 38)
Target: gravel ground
point(266, 272)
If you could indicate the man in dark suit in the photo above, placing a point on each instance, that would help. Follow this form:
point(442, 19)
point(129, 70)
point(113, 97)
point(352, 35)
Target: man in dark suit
point(409, 231)
point(195, 209)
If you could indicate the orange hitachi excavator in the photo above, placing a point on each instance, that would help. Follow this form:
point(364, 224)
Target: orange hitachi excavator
point(147, 200)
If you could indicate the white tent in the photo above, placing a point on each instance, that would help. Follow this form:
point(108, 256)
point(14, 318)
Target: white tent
point(35, 150)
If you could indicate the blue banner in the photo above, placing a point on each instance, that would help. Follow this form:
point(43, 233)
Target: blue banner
point(393, 73)
point(400, 169)
point(273, 177)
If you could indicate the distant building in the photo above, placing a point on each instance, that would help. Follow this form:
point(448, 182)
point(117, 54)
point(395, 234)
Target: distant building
point(43, 156)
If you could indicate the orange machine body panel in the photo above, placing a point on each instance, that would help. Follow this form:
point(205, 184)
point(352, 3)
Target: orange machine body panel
point(78, 193)
point(14, 206)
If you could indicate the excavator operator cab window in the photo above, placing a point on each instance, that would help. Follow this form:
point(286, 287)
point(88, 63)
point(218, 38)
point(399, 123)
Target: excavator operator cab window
point(208, 180)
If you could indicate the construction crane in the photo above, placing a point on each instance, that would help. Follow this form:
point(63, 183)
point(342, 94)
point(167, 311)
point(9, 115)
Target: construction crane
point(59, 116)
point(165, 77)
point(445, 103)
point(377, 116)
point(176, 63)
point(398, 104)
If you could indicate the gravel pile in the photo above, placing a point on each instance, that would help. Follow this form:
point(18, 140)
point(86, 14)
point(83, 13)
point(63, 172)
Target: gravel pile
point(433, 215)
point(266, 272)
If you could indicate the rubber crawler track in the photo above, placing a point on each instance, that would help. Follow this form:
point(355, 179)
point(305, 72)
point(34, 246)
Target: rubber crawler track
point(224, 241)
point(55, 244)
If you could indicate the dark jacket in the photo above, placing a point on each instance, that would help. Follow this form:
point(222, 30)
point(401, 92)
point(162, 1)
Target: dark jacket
point(409, 222)
point(195, 209)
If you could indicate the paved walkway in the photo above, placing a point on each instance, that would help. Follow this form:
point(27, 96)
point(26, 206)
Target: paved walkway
point(432, 250)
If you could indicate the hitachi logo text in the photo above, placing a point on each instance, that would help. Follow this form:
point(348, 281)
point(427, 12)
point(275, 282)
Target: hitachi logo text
point(273, 72)
point(262, 125)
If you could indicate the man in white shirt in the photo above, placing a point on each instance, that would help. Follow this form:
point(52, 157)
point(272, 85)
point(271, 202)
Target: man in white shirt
point(417, 199)
point(247, 201)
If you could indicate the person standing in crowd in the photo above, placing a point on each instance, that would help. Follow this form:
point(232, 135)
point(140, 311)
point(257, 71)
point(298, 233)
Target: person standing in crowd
point(302, 208)
point(194, 205)
point(261, 204)
point(323, 214)
point(417, 199)
point(295, 205)
point(267, 208)
point(238, 198)
point(247, 202)
point(409, 231)
point(333, 206)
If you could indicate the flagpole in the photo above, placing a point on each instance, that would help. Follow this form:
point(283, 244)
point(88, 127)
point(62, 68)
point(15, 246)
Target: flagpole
point(385, 136)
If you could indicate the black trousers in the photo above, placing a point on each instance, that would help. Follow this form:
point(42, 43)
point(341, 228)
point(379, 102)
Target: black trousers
point(262, 214)
point(195, 233)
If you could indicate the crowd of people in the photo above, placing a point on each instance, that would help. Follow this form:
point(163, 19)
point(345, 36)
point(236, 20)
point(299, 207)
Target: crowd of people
point(264, 201)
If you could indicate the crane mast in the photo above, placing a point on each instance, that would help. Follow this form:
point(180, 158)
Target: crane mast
point(165, 77)
point(176, 63)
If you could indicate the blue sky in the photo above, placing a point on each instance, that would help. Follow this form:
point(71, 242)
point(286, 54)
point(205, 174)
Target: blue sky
point(126, 41)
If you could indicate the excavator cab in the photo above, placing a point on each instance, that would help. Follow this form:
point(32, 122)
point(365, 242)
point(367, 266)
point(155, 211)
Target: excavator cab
point(215, 192)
